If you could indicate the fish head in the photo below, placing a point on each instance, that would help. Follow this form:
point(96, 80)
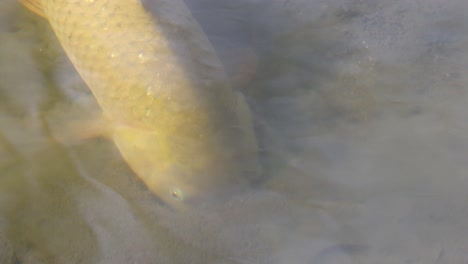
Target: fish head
point(181, 174)
point(193, 187)
point(170, 188)
point(144, 153)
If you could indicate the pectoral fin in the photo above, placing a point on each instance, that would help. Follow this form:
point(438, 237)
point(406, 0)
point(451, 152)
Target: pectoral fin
point(244, 115)
point(33, 5)
point(76, 131)
point(241, 65)
point(79, 121)
point(247, 125)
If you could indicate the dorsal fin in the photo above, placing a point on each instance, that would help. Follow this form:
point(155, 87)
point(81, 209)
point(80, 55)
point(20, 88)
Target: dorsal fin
point(33, 5)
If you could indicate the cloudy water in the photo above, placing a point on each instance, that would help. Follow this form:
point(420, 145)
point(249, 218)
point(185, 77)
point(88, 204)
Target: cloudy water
point(360, 113)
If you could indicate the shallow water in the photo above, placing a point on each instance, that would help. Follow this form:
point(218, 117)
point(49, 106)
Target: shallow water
point(359, 109)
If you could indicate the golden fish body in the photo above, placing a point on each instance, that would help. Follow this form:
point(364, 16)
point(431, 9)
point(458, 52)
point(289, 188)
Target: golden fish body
point(172, 114)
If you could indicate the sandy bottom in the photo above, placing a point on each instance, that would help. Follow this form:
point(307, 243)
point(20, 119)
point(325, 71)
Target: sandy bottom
point(360, 109)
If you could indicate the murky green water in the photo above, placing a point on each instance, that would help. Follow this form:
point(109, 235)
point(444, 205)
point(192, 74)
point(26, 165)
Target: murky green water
point(360, 108)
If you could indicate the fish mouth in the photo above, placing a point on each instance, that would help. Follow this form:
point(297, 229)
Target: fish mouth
point(206, 199)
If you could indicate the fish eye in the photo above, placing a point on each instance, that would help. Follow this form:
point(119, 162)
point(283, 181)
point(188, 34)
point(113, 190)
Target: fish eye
point(177, 194)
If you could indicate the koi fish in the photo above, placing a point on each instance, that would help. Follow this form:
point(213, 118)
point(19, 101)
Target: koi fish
point(166, 100)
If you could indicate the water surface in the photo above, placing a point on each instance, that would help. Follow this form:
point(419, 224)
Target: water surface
point(360, 109)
